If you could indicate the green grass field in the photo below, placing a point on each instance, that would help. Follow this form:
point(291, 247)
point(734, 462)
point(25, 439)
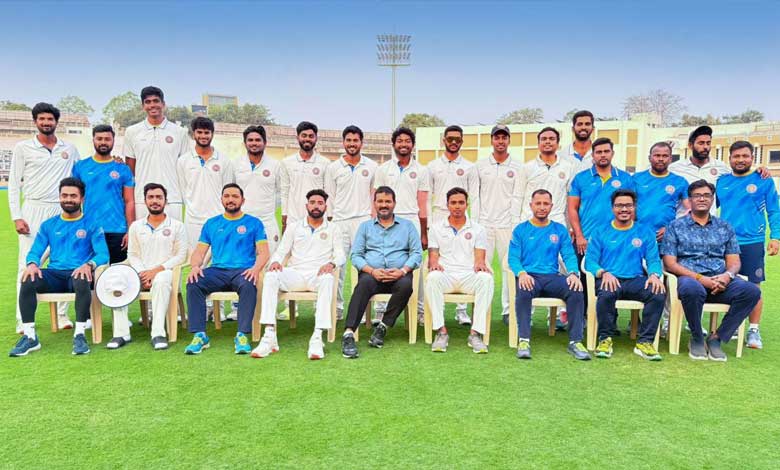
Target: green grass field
point(401, 406)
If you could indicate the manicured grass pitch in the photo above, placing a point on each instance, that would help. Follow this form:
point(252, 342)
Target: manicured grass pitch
point(401, 406)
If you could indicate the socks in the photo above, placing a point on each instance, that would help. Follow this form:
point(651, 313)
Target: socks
point(753, 326)
point(81, 327)
point(523, 339)
point(318, 332)
point(29, 330)
point(347, 333)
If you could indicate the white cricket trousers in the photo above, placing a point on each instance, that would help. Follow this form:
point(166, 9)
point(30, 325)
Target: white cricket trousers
point(498, 240)
point(162, 286)
point(479, 284)
point(291, 280)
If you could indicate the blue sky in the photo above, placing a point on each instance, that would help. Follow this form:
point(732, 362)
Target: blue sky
point(471, 61)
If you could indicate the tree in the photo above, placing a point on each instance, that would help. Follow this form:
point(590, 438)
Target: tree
point(750, 115)
point(570, 115)
point(522, 116)
point(181, 114)
point(665, 105)
point(690, 120)
point(245, 114)
point(415, 120)
point(129, 117)
point(127, 104)
point(74, 105)
point(6, 105)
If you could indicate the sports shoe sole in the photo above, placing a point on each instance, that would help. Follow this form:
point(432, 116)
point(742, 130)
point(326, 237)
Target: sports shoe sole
point(716, 359)
point(698, 358)
point(193, 353)
point(349, 357)
point(81, 353)
point(641, 354)
point(604, 355)
point(316, 357)
point(32, 349)
point(523, 357)
point(584, 358)
point(258, 356)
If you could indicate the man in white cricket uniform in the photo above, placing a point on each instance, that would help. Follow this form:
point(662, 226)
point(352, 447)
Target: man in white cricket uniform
point(449, 171)
point(37, 167)
point(579, 151)
point(409, 179)
point(699, 166)
point(501, 187)
point(349, 183)
point(456, 259)
point(259, 177)
point(300, 173)
point(151, 149)
point(157, 243)
point(315, 249)
point(202, 173)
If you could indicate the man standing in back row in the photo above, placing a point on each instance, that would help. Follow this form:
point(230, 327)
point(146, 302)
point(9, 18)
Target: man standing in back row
point(300, 173)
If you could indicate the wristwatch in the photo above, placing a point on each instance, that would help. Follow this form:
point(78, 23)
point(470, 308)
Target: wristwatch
point(730, 275)
point(92, 264)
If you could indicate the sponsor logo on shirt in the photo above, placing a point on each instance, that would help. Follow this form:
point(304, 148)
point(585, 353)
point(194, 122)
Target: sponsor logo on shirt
point(216, 167)
point(64, 155)
point(413, 175)
point(510, 174)
point(713, 171)
point(365, 173)
point(266, 173)
point(324, 236)
point(616, 183)
point(81, 233)
point(169, 139)
point(562, 175)
point(751, 188)
point(553, 238)
point(114, 175)
point(636, 242)
point(467, 236)
point(669, 189)
point(459, 172)
point(166, 232)
point(241, 229)
point(315, 170)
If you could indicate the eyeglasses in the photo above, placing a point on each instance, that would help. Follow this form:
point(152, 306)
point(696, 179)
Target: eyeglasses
point(453, 140)
point(623, 206)
point(701, 196)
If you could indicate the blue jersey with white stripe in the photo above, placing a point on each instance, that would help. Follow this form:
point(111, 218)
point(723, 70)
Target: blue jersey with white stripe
point(73, 242)
point(233, 241)
point(595, 203)
point(535, 248)
point(658, 197)
point(746, 202)
point(103, 199)
point(621, 251)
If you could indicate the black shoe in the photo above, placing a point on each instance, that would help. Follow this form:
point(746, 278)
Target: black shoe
point(348, 347)
point(159, 343)
point(714, 351)
point(696, 349)
point(377, 339)
point(505, 319)
point(117, 342)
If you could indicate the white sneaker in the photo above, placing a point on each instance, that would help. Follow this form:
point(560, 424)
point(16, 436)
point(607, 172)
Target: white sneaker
point(316, 348)
point(232, 316)
point(462, 317)
point(284, 315)
point(64, 323)
point(88, 326)
point(268, 345)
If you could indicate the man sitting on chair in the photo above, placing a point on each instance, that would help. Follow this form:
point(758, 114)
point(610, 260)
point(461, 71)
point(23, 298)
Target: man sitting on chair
point(239, 251)
point(315, 248)
point(703, 251)
point(615, 257)
point(77, 246)
point(456, 259)
point(157, 243)
point(533, 258)
point(385, 252)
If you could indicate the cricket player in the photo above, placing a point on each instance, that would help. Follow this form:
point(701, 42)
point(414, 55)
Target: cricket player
point(300, 173)
point(579, 151)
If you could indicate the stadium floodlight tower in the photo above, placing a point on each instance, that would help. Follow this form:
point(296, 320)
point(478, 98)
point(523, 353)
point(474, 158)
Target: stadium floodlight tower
point(393, 50)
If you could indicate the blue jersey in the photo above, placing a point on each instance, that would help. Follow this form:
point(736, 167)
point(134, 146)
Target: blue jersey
point(535, 249)
point(658, 197)
point(233, 241)
point(595, 203)
point(621, 251)
point(103, 199)
point(73, 242)
point(746, 202)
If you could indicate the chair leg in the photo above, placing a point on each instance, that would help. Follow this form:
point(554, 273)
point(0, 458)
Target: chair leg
point(428, 327)
point(217, 319)
point(182, 311)
point(96, 314)
point(293, 319)
point(675, 328)
point(486, 336)
point(741, 338)
point(172, 324)
point(333, 321)
point(513, 330)
point(53, 317)
point(411, 316)
point(551, 321)
point(592, 323)
point(713, 321)
point(144, 313)
point(634, 323)
point(657, 341)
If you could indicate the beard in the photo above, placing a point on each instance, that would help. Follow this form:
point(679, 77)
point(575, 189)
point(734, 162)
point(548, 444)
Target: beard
point(47, 131)
point(315, 213)
point(155, 211)
point(69, 207)
point(306, 146)
point(700, 155)
point(584, 138)
point(103, 150)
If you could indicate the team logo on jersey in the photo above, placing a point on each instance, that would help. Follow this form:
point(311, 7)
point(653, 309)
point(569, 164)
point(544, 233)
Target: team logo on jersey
point(637, 242)
point(459, 172)
point(510, 174)
point(616, 183)
point(64, 155)
point(365, 173)
point(114, 175)
point(759, 272)
point(468, 236)
point(81, 233)
point(553, 238)
point(276, 238)
point(216, 167)
point(266, 173)
point(562, 175)
point(713, 171)
point(166, 232)
point(241, 229)
point(324, 236)
point(751, 188)
point(669, 189)
point(169, 139)
point(412, 175)
point(315, 170)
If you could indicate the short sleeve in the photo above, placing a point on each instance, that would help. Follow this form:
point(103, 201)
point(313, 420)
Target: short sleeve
point(669, 242)
point(422, 176)
point(433, 240)
point(732, 246)
point(205, 233)
point(129, 181)
point(480, 241)
point(260, 235)
point(575, 189)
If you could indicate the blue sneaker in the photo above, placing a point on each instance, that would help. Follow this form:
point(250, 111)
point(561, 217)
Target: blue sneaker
point(25, 345)
point(199, 342)
point(242, 344)
point(80, 345)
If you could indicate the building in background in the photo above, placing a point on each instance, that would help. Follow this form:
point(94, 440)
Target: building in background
point(210, 99)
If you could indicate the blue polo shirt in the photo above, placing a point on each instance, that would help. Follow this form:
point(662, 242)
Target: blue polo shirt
point(233, 240)
point(746, 202)
point(393, 247)
point(621, 251)
point(658, 197)
point(73, 242)
point(535, 248)
point(103, 199)
point(595, 204)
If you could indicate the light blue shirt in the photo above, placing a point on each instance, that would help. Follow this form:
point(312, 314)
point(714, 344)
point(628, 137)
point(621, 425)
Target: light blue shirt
point(746, 202)
point(73, 242)
point(658, 197)
point(535, 249)
point(620, 252)
point(385, 248)
point(233, 241)
point(103, 198)
point(595, 197)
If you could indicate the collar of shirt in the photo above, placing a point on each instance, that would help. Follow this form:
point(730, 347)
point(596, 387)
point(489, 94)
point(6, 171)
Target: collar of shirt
point(689, 220)
point(162, 125)
point(165, 223)
point(323, 226)
point(214, 156)
point(573, 153)
point(312, 159)
point(345, 164)
point(253, 166)
point(412, 164)
point(446, 223)
point(506, 162)
point(37, 143)
point(395, 222)
point(594, 172)
point(458, 159)
point(540, 163)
